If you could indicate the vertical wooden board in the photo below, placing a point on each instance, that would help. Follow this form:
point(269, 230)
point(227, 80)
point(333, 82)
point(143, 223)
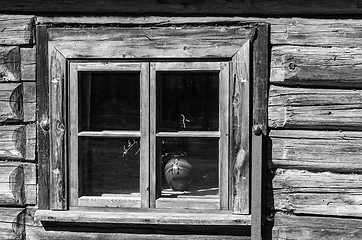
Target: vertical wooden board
point(30, 185)
point(240, 87)
point(12, 223)
point(260, 124)
point(28, 63)
point(9, 64)
point(11, 102)
point(153, 151)
point(43, 141)
point(17, 142)
point(145, 136)
point(57, 74)
point(29, 101)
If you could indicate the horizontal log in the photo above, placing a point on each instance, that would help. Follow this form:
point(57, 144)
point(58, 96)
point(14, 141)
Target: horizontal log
point(9, 63)
point(17, 184)
point(309, 108)
point(28, 63)
point(214, 7)
point(17, 142)
point(12, 223)
point(325, 193)
point(333, 151)
point(292, 31)
point(297, 65)
point(16, 29)
point(17, 102)
point(288, 226)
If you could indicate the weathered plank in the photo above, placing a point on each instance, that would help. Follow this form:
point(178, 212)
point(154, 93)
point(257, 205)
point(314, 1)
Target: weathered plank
point(260, 124)
point(9, 63)
point(17, 183)
point(297, 65)
point(323, 193)
point(334, 151)
point(29, 101)
point(214, 7)
point(28, 63)
point(16, 29)
point(12, 223)
point(240, 125)
point(309, 108)
point(17, 142)
point(288, 226)
point(57, 72)
point(166, 42)
point(42, 117)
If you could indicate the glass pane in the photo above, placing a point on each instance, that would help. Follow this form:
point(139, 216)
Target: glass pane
point(108, 166)
point(188, 167)
point(109, 101)
point(188, 101)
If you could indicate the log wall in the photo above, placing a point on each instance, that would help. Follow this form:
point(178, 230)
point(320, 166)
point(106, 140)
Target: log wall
point(315, 140)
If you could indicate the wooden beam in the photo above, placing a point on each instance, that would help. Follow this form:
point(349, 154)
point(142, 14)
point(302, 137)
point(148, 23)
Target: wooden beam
point(183, 42)
point(314, 227)
point(17, 142)
point(214, 7)
point(16, 29)
point(310, 108)
point(317, 66)
point(260, 125)
point(334, 151)
point(12, 223)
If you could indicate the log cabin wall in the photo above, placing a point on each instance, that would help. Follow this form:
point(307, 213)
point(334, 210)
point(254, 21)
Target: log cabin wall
point(315, 110)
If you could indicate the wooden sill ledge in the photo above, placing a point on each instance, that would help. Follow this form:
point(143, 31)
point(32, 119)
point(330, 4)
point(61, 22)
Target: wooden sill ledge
point(144, 216)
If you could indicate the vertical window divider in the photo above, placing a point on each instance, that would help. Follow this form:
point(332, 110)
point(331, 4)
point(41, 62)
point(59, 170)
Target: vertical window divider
point(153, 152)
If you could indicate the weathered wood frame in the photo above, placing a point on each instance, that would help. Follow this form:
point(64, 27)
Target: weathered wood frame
point(65, 45)
point(222, 134)
point(75, 67)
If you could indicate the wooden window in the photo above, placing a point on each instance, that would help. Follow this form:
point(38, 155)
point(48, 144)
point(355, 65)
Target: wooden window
point(122, 108)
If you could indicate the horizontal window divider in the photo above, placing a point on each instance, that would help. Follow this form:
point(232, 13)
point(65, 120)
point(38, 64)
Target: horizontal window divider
point(200, 134)
point(143, 216)
point(115, 133)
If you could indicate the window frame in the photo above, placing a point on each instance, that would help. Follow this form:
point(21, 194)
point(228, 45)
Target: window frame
point(56, 47)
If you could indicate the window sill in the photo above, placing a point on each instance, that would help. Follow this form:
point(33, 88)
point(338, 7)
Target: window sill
point(143, 216)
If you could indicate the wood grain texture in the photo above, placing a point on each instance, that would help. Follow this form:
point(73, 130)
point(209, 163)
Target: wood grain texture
point(42, 117)
point(17, 183)
point(12, 223)
point(17, 102)
point(240, 125)
point(322, 193)
point(9, 63)
point(214, 7)
point(310, 108)
point(317, 66)
point(16, 29)
point(17, 142)
point(312, 227)
point(28, 63)
point(171, 42)
point(333, 151)
point(58, 128)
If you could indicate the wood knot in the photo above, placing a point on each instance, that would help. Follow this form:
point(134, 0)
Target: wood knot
point(292, 66)
point(257, 129)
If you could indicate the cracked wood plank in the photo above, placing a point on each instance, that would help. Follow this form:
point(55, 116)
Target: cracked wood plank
point(309, 108)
